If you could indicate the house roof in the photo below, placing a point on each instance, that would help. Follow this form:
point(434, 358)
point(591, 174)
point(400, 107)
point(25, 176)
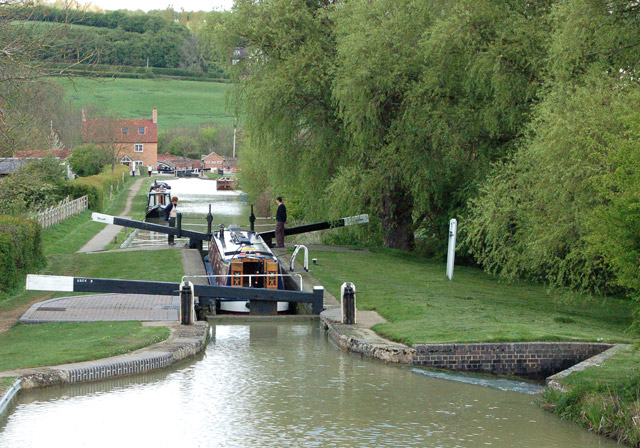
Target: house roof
point(108, 130)
point(42, 153)
point(212, 154)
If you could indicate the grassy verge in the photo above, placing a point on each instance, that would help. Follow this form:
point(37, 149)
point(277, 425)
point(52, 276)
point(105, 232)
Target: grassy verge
point(421, 305)
point(37, 345)
point(605, 398)
point(6, 383)
point(33, 345)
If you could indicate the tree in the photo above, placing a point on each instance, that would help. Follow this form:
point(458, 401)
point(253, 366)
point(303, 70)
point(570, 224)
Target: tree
point(22, 67)
point(89, 159)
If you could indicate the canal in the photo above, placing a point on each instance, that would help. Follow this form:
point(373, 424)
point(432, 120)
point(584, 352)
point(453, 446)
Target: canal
point(285, 384)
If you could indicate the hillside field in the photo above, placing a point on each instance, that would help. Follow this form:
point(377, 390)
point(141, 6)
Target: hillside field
point(179, 103)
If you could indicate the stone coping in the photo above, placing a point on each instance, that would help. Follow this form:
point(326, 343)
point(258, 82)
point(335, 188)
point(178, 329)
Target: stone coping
point(535, 358)
point(184, 342)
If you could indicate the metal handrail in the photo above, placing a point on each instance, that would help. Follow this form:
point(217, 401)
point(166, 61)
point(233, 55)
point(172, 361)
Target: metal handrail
point(245, 275)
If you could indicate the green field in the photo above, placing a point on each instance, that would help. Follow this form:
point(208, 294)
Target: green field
point(179, 103)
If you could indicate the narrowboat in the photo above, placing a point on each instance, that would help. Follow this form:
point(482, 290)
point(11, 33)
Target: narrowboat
point(158, 198)
point(241, 258)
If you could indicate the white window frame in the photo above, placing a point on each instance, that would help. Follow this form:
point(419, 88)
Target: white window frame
point(138, 147)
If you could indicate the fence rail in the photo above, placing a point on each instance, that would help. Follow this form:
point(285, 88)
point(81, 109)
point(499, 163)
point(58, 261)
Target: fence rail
point(66, 209)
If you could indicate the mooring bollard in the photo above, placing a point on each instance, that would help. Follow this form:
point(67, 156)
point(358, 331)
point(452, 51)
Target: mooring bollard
point(187, 305)
point(348, 302)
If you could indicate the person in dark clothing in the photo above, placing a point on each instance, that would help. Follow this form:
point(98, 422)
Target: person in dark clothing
point(281, 219)
point(170, 214)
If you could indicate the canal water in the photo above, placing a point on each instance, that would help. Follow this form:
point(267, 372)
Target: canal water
point(194, 198)
point(286, 385)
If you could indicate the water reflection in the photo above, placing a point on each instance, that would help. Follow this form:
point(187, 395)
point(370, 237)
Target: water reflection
point(266, 384)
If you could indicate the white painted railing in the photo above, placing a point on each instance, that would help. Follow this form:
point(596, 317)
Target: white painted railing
point(66, 209)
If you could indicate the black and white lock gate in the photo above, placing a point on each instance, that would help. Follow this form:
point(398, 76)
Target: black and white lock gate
point(262, 301)
point(196, 238)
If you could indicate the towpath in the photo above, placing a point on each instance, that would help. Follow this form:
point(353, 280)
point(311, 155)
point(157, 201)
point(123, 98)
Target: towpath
point(106, 235)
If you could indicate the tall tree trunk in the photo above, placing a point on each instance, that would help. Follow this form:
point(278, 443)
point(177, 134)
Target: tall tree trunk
point(396, 214)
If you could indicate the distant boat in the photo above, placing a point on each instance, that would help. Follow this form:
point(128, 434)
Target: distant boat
point(226, 183)
point(158, 198)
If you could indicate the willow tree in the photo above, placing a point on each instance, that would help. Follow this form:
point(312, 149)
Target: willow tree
point(280, 54)
point(548, 213)
point(378, 62)
point(483, 63)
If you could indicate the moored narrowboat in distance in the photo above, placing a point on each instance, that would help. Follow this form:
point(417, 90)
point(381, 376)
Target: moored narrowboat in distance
point(158, 198)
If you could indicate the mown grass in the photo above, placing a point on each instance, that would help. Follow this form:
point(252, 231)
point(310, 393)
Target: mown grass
point(33, 345)
point(49, 344)
point(603, 398)
point(179, 103)
point(421, 305)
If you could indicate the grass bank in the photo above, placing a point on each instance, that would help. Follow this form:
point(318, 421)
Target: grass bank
point(604, 398)
point(179, 103)
point(421, 305)
point(49, 344)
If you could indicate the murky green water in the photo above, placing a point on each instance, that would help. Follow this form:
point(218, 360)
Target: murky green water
point(284, 384)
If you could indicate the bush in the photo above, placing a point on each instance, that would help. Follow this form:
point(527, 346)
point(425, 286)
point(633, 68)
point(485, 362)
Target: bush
point(20, 250)
point(89, 159)
point(99, 184)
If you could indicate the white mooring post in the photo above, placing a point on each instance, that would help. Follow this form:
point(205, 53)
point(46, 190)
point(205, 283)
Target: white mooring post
point(348, 302)
point(451, 254)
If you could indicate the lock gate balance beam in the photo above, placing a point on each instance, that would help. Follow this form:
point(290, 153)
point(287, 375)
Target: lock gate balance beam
point(176, 231)
point(258, 295)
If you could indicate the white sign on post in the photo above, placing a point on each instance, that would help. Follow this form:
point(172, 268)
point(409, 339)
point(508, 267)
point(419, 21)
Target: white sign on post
point(451, 254)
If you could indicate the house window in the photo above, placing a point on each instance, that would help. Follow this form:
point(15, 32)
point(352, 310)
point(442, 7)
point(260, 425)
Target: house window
point(124, 130)
point(142, 130)
point(137, 147)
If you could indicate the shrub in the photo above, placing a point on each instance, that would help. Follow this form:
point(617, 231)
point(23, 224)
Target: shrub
point(20, 250)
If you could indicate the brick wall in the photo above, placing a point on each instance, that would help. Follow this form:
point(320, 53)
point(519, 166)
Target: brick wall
point(529, 359)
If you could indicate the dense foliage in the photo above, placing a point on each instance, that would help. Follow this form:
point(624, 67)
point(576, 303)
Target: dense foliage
point(518, 119)
point(20, 250)
point(118, 38)
point(89, 159)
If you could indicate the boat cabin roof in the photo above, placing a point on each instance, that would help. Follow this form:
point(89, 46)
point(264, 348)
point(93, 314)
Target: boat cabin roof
point(238, 243)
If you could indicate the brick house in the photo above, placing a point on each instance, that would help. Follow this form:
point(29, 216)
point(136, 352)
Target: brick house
point(132, 141)
point(212, 161)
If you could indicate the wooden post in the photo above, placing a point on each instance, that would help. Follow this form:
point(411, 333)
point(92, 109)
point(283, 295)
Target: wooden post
point(187, 311)
point(348, 302)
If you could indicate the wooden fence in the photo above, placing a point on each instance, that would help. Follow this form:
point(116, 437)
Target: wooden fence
point(66, 209)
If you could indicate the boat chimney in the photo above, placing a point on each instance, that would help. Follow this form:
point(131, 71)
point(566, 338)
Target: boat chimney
point(222, 234)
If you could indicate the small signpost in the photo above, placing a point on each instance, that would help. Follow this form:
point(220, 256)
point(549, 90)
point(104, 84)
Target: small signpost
point(451, 253)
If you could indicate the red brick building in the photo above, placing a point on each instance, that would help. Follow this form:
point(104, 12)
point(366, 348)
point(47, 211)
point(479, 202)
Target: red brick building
point(132, 141)
point(213, 161)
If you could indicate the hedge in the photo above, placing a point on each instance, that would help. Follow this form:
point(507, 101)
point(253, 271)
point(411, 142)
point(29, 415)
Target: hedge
point(97, 185)
point(20, 250)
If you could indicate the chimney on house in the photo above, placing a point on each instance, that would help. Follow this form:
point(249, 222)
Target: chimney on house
point(84, 115)
point(155, 116)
